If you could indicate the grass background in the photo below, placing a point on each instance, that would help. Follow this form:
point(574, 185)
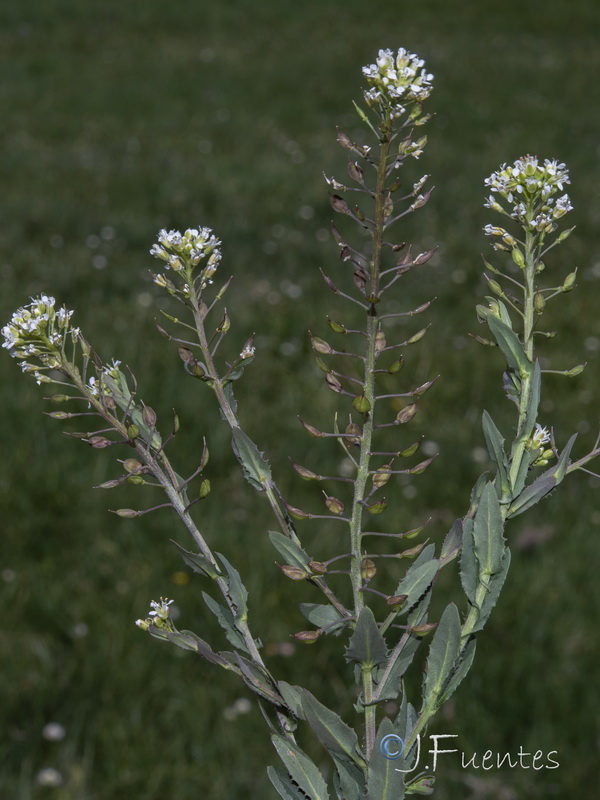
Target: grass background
point(118, 119)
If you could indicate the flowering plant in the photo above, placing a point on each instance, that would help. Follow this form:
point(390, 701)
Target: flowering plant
point(383, 626)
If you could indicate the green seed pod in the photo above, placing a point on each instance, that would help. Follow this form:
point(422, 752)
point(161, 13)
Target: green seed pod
point(294, 573)
point(204, 489)
point(333, 383)
point(310, 429)
point(377, 508)
point(320, 345)
point(539, 303)
point(571, 373)
point(308, 637)
point(318, 566)
point(396, 600)
point(368, 570)
point(361, 404)
point(355, 171)
point(382, 476)
point(412, 551)
point(297, 513)
point(417, 337)
point(413, 532)
point(58, 414)
point(225, 324)
point(305, 473)
point(99, 442)
point(333, 504)
point(109, 484)
point(132, 465)
point(495, 287)
point(133, 431)
point(339, 204)
point(336, 327)
point(396, 366)
point(137, 480)
point(569, 283)
point(186, 355)
point(423, 630)
point(149, 416)
point(407, 413)
point(59, 398)
point(410, 450)
point(127, 513)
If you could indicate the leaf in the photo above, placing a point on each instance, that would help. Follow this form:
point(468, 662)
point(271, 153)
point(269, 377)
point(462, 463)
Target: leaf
point(534, 399)
point(367, 646)
point(493, 591)
point(495, 446)
point(476, 492)
point(452, 543)
point(324, 616)
point(443, 653)
point(300, 768)
point(488, 528)
point(418, 579)
point(284, 784)
point(469, 570)
point(511, 346)
point(330, 729)
point(351, 779)
point(198, 562)
point(292, 553)
point(237, 590)
point(256, 468)
point(460, 670)
point(392, 686)
point(293, 697)
point(226, 621)
point(546, 482)
point(384, 782)
point(259, 681)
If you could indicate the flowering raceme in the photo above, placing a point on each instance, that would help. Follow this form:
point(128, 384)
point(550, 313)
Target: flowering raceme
point(397, 78)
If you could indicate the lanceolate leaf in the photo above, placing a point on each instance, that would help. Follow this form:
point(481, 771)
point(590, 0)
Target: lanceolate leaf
point(495, 442)
point(237, 590)
point(367, 645)
point(292, 553)
point(330, 729)
point(452, 543)
point(546, 482)
point(350, 778)
point(488, 533)
point(324, 615)
point(284, 784)
point(534, 398)
point(509, 343)
point(198, 562)
point(493, 591)
point(256, 468)
point(460, 670)
point(384, 782)
point(393, 683)
point(469, 570)
point(443, 653)
point(259, 681)
point(226, 621)
point(418, 579)
point(293, 697)
point(300, 768)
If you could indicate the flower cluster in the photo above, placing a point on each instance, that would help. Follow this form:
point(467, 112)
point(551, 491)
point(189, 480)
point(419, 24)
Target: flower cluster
point(98, 386)
point(397, 79)
point(38, 330)
point(530, 187)
point(184, 251)
point(159, 615)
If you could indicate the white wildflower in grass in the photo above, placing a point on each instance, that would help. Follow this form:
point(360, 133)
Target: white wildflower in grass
point(159, 615)
point(183, 252)
point(397, 79)
point(527, 181)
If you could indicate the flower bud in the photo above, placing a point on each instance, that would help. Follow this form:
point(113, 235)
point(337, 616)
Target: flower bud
point(495, 287)
point(518, 258)
point(538, 303)
point(368, 570)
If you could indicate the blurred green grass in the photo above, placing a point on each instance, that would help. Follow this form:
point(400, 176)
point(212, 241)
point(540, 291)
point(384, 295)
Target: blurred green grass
point(119, 119)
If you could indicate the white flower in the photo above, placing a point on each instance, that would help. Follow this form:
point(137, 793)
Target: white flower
point(540, 437)
point(534, 183)
point(181, 250)
point(36, 329)
point(395, 77)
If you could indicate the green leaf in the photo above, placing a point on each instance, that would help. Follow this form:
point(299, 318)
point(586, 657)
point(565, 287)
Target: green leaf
point(293, 554)
point(330, 729)
point(452, 543)
point(469, 569)
point(461, 669)
point(259, 681)
point(226, 621)
point(494, 587)
point(293, 697)
point(300, 768)
point(384, 782)
point(488, 531)
point(476, 492)
point(511, 346)
point(392, 686)
point(284, 784)
point(534, 399)
point(256, 468)
point(237, 590)
point(198, 562)
point(367, 646)
point(323, 616)
point(350, 779)
point(495, 446)
point(443, 653)
point(546, 482)
point(418, 579)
